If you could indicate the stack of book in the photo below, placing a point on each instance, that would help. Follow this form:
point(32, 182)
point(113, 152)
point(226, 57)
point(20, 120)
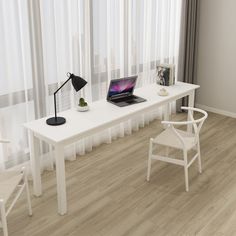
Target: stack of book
point(165, 74)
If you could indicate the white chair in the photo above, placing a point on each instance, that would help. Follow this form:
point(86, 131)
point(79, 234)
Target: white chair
point(179, 139)
point(12, 182)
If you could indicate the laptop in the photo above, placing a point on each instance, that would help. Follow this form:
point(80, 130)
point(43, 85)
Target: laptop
point(120, 92)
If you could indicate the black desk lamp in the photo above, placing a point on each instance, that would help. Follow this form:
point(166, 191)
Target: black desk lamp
point(78, 83)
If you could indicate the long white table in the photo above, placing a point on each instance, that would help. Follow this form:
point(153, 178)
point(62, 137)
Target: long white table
point(101, 115)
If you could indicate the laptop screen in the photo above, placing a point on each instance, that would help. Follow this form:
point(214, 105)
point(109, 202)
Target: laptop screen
point(121, 87)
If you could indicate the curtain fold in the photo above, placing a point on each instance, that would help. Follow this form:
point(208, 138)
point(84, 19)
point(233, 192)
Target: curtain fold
point(98, 40)
point(188, 43)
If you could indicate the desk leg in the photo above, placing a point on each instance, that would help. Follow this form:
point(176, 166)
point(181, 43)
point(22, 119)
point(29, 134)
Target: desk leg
point(166, 113)
point(190, 104)
point(35, 164)
point(61, 182)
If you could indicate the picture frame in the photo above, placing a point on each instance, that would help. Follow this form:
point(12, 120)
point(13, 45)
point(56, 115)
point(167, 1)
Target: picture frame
point(165, 74)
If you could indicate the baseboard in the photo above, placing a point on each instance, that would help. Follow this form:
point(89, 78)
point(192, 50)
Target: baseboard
point(215, 110)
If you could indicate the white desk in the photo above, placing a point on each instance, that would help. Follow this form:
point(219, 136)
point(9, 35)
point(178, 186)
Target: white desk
point(101, 115)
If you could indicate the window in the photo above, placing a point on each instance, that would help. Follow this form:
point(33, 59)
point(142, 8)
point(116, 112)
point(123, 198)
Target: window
point(98, 39)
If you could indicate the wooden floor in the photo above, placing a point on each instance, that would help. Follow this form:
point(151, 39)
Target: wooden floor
point(108, 195)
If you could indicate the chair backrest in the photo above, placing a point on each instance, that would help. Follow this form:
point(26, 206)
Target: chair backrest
point(195, 123)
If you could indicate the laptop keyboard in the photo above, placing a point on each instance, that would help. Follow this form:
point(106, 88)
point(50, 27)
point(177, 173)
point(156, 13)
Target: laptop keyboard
point(125, 99)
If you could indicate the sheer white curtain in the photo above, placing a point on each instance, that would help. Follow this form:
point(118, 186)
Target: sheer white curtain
point(98, 40)
point(16, 84)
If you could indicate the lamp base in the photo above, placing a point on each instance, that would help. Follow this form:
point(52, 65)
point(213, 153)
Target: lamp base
point(56, 121)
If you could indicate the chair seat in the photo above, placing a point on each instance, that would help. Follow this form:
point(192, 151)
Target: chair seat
point(8, 183)
point(170, 139)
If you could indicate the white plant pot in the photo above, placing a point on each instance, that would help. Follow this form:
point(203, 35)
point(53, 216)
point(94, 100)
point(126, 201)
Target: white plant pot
point(79, 108)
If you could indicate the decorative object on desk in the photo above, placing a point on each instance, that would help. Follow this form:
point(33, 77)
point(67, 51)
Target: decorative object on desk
point(83, 105)
point(163, 92)
point(78, 83)
point(165, 74)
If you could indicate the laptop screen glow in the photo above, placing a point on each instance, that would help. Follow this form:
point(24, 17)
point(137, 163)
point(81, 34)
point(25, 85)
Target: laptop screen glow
point(122, 86)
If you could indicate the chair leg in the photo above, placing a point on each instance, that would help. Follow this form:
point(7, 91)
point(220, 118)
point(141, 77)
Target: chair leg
point(199, 158)
point(28, 195)
point(3, 218)
point(186, 171)
point(149, 159)
point(186, 178)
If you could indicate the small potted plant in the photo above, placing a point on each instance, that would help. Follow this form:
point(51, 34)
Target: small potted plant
point(83, 105)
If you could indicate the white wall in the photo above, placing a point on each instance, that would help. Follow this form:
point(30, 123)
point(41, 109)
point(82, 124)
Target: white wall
point(216, 64)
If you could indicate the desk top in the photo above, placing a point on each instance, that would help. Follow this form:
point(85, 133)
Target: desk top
point(103, 114)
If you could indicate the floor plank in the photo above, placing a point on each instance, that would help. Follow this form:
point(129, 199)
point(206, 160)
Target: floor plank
point(108, 194)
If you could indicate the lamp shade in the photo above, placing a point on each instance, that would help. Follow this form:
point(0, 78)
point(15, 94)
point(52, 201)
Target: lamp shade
point(77, 82)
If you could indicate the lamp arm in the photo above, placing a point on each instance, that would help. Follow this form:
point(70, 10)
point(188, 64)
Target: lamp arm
point(62, 85)
point(55, 100)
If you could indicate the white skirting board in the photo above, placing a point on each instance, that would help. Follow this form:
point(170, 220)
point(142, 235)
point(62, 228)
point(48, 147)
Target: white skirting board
point(215, 110)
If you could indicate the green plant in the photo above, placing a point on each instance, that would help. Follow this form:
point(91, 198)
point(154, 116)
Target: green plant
point(82, 102)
